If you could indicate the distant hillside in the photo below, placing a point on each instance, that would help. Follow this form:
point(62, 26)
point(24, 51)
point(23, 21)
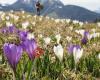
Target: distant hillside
point(54, 8)
point(98, 11)
point(76, 12)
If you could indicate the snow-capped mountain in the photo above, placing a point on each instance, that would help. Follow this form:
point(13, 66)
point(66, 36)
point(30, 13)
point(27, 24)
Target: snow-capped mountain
point(54, 8)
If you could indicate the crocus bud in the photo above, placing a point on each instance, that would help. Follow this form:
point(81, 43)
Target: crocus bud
point(58, 50)
point(77, 53)
point(13, 53)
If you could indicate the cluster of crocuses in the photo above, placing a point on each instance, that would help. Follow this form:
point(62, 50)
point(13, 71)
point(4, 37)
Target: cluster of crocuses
point(27, 43)
point(58, 49)
point(8, 30)
point(86, 36)
point(76, 50)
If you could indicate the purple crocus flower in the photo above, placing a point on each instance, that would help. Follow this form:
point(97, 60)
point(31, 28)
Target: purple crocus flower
point(30, 46)
point(77, 52)
point(71, 48)
point(13, 53)
point(22, 35)
point(11, 29)
point(4, 30)
point(86, 33)
point(77, 46)
point(84, 40)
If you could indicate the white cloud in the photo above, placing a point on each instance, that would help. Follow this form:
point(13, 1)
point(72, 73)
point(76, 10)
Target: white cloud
point(89, 4)
point(7, 1)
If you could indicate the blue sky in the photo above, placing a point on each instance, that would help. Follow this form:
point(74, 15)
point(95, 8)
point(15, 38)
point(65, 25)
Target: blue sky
point(89, 4)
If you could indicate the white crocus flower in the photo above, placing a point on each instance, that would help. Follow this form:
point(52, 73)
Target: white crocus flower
point(81, 31)
point(11, 15)
point(23, 11)
point(98, 24)
point(1, 12)
point(30, 36)
point(9, 24)
point(93, 35)
point(40, 36)
point(81, 23)
point(58, 37)
point(75, 21)
point(34, 23)
point(16, 18)
point(35, 17)
point(68, 20)
point(3, 16)
point(11, 11)
point(99, 56)
point(25, 25)
point(69, 38)
point(96, 35)
point(52, 19)
point(23, 17)
point(93, 30)
point(89, 37)
point(57, 20)
point(71, 28)
point(47, 17)
point(28, 16)
point(62, 20)
point(77, 53)
point(7, 18)
point(41, 18)
point(0, 58)
point(47, 40)
point(58, 50)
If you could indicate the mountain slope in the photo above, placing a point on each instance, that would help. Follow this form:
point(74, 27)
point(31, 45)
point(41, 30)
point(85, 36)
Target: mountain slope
point(98, 11)
point(76, 12)
point(54, 8)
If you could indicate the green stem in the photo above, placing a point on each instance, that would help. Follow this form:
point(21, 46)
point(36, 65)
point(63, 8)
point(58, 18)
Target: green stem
point(24, 71)
point(13, 73)
point(30, 69)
